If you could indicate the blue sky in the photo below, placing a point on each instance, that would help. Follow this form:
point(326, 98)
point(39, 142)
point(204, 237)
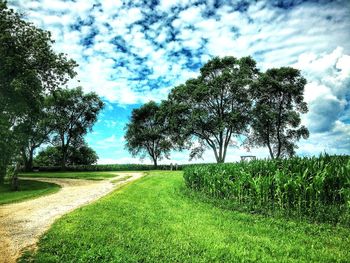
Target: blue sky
point(130, 52)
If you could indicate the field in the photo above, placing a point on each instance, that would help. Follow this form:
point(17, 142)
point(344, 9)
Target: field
point(158, 219)
point(317, 189)
point(28, 189)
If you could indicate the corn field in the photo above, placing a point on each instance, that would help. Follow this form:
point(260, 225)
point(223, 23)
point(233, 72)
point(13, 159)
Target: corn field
point(315, 188)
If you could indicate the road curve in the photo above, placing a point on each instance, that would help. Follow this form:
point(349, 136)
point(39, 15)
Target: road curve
point(21, 224)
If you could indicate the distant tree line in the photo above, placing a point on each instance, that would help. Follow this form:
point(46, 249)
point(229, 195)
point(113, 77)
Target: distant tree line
point(230, 101)
point(36, 107)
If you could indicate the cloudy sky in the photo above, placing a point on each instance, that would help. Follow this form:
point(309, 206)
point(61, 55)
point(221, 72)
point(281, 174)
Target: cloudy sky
point(130, 52)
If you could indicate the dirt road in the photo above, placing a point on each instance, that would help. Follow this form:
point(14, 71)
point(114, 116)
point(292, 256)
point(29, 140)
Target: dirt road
point(21, 224)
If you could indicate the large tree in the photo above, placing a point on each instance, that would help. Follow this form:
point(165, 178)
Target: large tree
point(278, 102)
point(75, 114)
point(208, 111)
point(146, 133)
point(29, 70)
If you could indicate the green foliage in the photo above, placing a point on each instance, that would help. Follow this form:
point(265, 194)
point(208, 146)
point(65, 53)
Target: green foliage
point(75, 114)
point(207, 112)
point(52, 156)
point(28, 189)
point(314, 188)
point(29, 70)
point(278, 98)
point(156, 219)
point(146, 133)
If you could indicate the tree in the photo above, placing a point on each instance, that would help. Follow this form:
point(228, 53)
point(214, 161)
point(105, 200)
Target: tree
point(36, 131)
point(146, 133)
point(83, 155)
point(52, 156)
point(279, 101)
point(29, 70)
point(212, 108)
point(75, 114)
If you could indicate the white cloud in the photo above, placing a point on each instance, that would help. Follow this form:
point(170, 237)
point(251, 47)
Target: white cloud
point(327, 89)
point(135, 55)
point(107, 143)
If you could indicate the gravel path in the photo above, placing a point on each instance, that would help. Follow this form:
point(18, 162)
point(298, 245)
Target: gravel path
point(21, 224)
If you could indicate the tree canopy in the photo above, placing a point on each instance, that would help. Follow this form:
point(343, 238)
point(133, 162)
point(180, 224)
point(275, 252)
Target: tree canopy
point(52, 156)
point(278, 102)
point(208, 111)
point(146, 133)
point(75, 114)
point(29, 70)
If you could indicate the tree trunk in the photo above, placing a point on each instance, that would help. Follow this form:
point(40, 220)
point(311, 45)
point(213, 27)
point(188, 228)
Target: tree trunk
point(14, 183)
point(28, 163)
point(221, 158)
point(270, 150)
point(155, 162)
point(64, 159)
point(269, 145)
point(2, 173)
point(14, 179)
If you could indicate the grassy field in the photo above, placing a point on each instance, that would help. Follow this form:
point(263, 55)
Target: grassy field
point(74, 175)
point(28, 189)
point(157, 219)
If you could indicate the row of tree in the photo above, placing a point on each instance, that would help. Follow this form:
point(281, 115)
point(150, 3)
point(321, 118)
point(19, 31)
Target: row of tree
point(35, 105)
point(230, 101)
point(66, 116)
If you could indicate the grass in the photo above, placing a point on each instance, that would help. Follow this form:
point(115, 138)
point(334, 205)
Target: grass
point(74, 175)
point(156, 219)
point(28, 189)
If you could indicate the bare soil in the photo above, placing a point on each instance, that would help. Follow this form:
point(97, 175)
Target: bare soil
point(21, 224)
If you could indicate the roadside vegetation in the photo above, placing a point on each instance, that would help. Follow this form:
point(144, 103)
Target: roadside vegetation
point(36, 106)
point(28, 189)
point(158, 219)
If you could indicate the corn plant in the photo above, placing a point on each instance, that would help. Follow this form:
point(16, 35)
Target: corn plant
point(317, 188)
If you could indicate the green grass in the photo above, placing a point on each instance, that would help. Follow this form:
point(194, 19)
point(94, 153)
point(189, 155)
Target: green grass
point(74, 175)
point(157, 219)
point(28, 189)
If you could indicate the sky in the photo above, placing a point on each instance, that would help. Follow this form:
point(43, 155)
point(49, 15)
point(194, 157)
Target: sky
point(130, 52)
